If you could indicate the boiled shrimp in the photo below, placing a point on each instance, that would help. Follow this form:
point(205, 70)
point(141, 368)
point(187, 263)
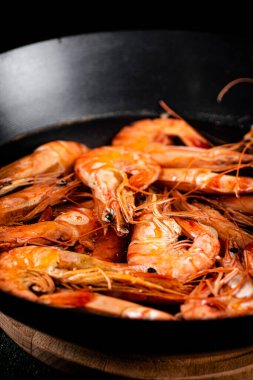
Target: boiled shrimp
point(152, 136)
point(103, 304)
point(243, 203)
point(230, 294)
point(25, 271)
point(29, 276)
point(208, 215)
point(48, 161)
point(248, 254)
point(105, 171)
point(25, 204)
point(206, 181)
point(32, 271)
point(66, 229)
point(239, 217)
point(216, 159)
point(153, 133)
point(154, 245)
point(201, 306)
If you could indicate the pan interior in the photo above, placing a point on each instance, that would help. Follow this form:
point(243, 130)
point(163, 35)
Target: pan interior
point(95, 132)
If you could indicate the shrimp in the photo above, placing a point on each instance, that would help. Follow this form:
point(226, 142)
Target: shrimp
point(153, 133)
point(27, 203)
point(25, 271)
point(248, 254)
point(67, 228)
point(77, 224)
point(154, 246)
point(215, 159)
point(201, 306)
point(243, 203)
point(238, 280)
point(32, 271)
point(206, 181)
point(152, 136)
point(47, 161)
point(209, 216)
point(230, 294)
point(105, 171)
point(103, 304)
point(28, 275)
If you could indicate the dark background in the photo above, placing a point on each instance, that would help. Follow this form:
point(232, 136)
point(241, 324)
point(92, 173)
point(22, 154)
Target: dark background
point(21, 24)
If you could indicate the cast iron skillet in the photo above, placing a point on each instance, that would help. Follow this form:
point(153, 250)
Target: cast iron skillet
point(85, 88)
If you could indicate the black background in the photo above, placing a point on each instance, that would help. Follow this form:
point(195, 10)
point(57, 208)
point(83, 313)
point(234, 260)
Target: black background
point(21, 24)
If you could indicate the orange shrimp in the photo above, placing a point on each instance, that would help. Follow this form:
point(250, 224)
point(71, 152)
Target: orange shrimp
point(216, 158)
point(214, 307)
point(105, 171)
point(154, 246)
point(243, 203)
point(248, 254)
point(77, 224)
point(25, 271)
point(27, 203)
point(201, 306)
point(230, 294)
point(103, 304)
point(47, 161)
point(226, 228)
point(206, 181)
point(238, 280)
point(67, 229)
point(151, 134)
point(30, 272)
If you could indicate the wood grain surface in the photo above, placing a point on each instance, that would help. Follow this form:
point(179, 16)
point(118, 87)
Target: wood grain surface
point(74, 359)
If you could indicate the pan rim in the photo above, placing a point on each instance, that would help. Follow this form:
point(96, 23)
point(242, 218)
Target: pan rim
point(123, 32)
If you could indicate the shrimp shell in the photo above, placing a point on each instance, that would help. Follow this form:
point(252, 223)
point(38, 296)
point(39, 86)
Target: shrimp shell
point(206, 181)
point(25, 204)
point(48, 161)
point(105, 171)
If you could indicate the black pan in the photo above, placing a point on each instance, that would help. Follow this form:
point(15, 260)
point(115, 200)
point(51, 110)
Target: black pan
point(87, 87)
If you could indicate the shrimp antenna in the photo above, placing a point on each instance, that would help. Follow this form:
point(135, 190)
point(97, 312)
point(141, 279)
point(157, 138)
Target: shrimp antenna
point(169, 110)
point(231, 84)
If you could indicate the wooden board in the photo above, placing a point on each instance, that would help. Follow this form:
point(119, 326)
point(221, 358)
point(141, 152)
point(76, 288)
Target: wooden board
point(74, 359)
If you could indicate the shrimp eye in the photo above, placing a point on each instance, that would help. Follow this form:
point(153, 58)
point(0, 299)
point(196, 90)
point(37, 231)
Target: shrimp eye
point(182, 237)
point(141, 197)
point(233, 250)
point(62, 182)
point(109, 216)
point(151, 270)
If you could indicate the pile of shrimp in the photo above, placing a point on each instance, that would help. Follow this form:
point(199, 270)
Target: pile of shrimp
point(141, 229)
